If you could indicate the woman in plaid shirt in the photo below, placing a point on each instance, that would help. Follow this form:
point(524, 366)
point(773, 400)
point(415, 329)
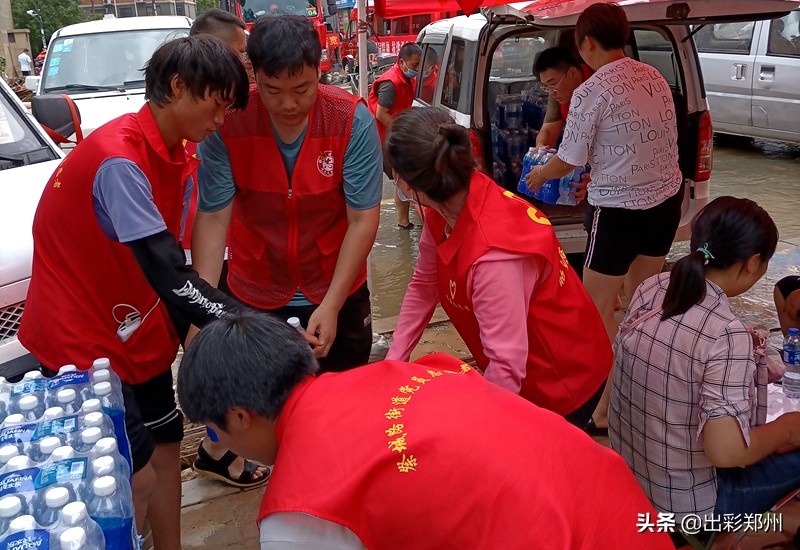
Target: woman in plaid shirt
point(686, 411)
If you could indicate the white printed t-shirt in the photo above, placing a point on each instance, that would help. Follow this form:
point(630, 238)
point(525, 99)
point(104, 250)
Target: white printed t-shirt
point(622, 123)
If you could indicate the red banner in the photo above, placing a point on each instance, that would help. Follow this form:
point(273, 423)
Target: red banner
point(396, 8)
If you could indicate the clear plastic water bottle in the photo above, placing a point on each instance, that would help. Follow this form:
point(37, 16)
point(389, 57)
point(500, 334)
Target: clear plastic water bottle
point(53, 413)
point(31, 407)
point(65, 452)
point(33, 375)
point(76, 538)
point(44, 448)
point(108, 447)
point(791, 360)
point(10, 508)
point(7, 452)
point(69, 400)
point(101, 363)
point(67, 369)
point(91, 405)
point(106, 466)
point(294, 322)
point(105, 375)
point(54, 499)
point(89, 437)
point(27, 533)
point(75, 514)
point(97, 420)
point(17, 463)
point(112, 513)
point(114, 407)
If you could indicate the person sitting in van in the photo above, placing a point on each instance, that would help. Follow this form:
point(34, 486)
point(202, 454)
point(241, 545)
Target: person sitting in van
point(430, 74)
point(404, 455)
point(689, 400)
point(391, 94)
point(787, 302)
point(494, 263)
point(778, 43)
point(560, 74)
point(622, 123)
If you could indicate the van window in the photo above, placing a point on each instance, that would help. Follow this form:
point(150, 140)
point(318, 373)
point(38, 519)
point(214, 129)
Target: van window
point(725, 38)
point(460, 72)
point(784, 35)
point(110, 59)
point(429, 71)
point(655, 49)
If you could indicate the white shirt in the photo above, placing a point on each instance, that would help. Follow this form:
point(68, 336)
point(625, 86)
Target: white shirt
point(622, 122)
point(24, 62)
point(298, 531)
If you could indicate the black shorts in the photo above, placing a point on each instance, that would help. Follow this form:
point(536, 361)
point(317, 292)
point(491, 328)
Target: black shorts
point(787, 285)
point(618, 235)
point(353, 342)
point(151, 417)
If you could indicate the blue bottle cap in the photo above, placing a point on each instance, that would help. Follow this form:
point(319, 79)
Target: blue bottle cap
point(794, 332)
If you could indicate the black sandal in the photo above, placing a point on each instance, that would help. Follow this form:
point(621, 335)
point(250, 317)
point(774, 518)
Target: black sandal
point(592, 429)
point(206, 466)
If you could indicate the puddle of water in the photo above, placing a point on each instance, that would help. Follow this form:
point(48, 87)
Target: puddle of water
point(763, 171)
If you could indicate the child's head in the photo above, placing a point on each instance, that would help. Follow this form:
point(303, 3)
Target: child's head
point(204, 64)
point(729, 234)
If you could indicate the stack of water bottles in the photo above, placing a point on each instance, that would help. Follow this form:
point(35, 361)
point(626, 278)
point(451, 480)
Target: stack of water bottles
point(514, 130)
point(65, 465)
point(553, 191)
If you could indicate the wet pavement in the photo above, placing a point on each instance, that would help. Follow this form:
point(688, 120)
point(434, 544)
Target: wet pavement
point(219, 517)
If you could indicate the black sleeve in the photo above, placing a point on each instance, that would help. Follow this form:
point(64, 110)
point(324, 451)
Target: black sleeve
point(163, 263)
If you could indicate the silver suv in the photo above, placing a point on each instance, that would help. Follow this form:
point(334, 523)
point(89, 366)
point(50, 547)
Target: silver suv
point(28, 158)
point(486, 61)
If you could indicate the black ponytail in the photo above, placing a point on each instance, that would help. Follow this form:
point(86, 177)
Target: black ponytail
point(724, 233)
point(431, 152)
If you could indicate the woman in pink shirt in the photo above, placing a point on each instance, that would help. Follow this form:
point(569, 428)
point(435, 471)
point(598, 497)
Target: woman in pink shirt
point(493, 262)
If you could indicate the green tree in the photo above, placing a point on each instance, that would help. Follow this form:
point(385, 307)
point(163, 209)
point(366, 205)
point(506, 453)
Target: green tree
point(55, 14)
point(205, 5)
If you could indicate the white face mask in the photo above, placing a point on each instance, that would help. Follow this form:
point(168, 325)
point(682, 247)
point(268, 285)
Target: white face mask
point(401, 194)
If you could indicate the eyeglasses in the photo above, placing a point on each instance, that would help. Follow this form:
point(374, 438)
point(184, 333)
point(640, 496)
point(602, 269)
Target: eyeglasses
point(550, 88)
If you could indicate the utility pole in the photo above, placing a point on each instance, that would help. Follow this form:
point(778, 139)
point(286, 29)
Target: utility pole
point(36, 13)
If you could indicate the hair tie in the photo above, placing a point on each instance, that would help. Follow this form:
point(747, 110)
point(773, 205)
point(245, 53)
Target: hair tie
point(706, 253)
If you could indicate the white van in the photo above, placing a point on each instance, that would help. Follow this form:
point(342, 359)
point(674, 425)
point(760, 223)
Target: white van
point(486, 59)
point(752, 76)
point(28, 158)
point(99, 64)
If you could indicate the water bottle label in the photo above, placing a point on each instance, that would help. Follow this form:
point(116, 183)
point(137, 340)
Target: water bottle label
point(21, 481)
point(791, 357)
point(12, 435)
point(73, 469)
point(68, 379)
point(65, 425)
point(38, 539)
point(29, 386)
point(118, 532)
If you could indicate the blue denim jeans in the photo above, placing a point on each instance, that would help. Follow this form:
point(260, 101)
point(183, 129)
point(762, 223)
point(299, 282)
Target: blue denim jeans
point(757, 488)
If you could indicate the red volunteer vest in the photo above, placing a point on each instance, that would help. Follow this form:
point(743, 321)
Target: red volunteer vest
point(569, 355)
point(287, 235)
point(430, 455)
point(80, 275)
point(404, 95)
point(587, 72)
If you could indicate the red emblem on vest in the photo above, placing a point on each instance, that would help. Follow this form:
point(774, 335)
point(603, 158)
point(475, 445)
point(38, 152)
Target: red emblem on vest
point(325, 163)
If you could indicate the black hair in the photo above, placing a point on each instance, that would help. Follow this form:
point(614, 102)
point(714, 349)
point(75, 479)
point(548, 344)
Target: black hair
point(216, 22)
point(283, 43)
point(409, 50)
point(205, 64)
point(554, 58)
point(246, 359)
point(431, 152)
point(724, 233)
point(605, 23)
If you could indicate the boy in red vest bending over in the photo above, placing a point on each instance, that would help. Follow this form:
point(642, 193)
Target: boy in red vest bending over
point(404, 455)
point(109, 277)
point(391, 94)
